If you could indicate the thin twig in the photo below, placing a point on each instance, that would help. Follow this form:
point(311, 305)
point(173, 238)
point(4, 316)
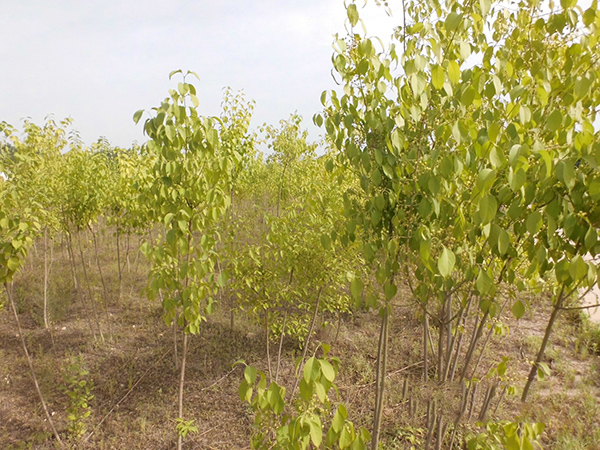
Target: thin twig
point(219, 380)
point(395, 372)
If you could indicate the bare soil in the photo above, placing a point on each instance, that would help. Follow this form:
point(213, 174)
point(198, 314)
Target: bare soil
point(134, 377)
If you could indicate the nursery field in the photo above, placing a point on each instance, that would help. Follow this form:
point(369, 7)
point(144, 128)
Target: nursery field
point(131, 380)
point(417, 279)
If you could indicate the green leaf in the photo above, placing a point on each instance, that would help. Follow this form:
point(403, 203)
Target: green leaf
point(352, 14)
point(485, 179)
point(594, 190)
point(13, 263)
point(453, 72)
point(318, 120)
point(446, 262)
point(554, 121)
point(534, 222)
point(390, 290)
point(250, 375)
point(316, 431)
point(245, 391)
point(565, 172)
point(524, 114)
point(328, 370)
point(174, 72)
point(425, 253)
point(438, 77)
point(309, 368)
point(356, 288)
point(452, 21)
point(589, 16)
point(543, 370)
point(503, 242)
point(582, 87)
point(138, 115)
point(320, 391)
point(591, 237)
point(339, 419)
point(483, 283)
point(485, 6)
point(497, 157)
point(346, 437)
point(487, 208)
point(578, 268)
point(222, 279)
point(518, 309)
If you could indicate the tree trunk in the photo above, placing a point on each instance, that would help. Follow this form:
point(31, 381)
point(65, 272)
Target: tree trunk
point(280, 347)
point(30, 363)
point(307, 340)
point(181, 384)
point(89, 288)
point(425, 352)
point(540, 355)
point(46, 273)
point(104, 287)
point(380, 378)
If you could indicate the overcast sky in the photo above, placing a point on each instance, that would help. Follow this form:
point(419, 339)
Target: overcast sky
point(100, 61)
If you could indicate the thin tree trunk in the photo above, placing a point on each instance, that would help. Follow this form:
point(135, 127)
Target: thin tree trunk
point(441, 430)
point(46, 272)
point(307, 340)
point(430, 419)
point(540, 355)
point(89, 288)
point(486, 341)
point(105, 288)
point(475, 338)
point(380, 378)
point(31, 370)
point(72, 259)
point(463, 407)
point(440, 363)
point(76, 284)
point(486, 403)
point(464, 317)
point(127, 250)
point(175, 352)
point(473, 394)
point(119, 260)
point(280, 347)
point(181, 384)
point(337, 331)
point(267, 337)
point(449, 340)
point(425, 338)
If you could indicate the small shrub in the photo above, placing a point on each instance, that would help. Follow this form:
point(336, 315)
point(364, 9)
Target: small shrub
point(79, 389)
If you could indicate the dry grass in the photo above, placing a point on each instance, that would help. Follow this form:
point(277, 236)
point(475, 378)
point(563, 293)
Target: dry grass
point(135, 380)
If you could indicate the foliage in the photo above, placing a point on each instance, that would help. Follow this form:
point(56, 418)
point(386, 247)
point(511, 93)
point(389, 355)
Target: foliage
point(19, 213)
point(507, 436)
point(79, 389)
point(275, 428)
point(478, 162)
point(184, 427)
point(291, 261)
point(189, 195)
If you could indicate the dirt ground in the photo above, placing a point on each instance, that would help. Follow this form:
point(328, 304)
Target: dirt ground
point(134, 380)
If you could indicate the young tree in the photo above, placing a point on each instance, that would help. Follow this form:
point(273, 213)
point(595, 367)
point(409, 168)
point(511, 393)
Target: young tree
point(190, 194)
point(473, 141)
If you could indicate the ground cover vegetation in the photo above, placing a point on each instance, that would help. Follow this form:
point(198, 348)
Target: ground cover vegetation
point(413, 281)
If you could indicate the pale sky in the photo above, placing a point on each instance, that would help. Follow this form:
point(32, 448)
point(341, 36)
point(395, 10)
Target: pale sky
point(100, 61)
